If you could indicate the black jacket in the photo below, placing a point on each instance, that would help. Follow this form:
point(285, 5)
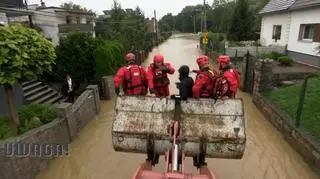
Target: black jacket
point(186, 83)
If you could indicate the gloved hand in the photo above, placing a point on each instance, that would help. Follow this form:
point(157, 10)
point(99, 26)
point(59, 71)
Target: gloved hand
point(152, 91)
point(117, 90)
point(178, 85)
point(195, 71)
point(164, 69)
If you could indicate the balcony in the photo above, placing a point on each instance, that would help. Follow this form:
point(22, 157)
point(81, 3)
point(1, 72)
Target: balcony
point(65, 28)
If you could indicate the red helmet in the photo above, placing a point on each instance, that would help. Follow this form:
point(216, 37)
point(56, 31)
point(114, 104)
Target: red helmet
point(203, 60)
point(223, 60)
point(158, 58)
point(130, 57)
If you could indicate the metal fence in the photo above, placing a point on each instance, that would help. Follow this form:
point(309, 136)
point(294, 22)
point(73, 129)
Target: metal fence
point(301, 103)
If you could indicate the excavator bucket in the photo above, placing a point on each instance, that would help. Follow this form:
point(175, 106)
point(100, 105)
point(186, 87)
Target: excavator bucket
point(142, 123)
point(214, 128)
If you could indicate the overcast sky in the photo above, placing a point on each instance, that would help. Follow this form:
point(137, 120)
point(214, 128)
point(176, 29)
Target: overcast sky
point(162, 7)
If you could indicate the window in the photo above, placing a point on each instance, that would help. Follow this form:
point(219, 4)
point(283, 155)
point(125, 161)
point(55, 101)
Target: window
point(88, 21)
point(276, 33)
point(78, 20)
point(68, 19)
point(309, 32)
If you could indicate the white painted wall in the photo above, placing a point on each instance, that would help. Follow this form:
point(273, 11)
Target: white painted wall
point(267, 23)
point(303, 17)
point(48, 20)
point(3, 18)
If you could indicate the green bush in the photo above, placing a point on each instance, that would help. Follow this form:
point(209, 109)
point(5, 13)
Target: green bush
point(45, 112)
point(109, 57)
point(273, 55)
point(31, 116)
point(285, 60)
point(75, 57)
point(6, 128)
point(266, 55)
point(276, 55)
point(31, 124)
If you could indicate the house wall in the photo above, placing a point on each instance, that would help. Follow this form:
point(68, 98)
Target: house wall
point(3, 18)
point(307, 16)
point(267, 23)
point(48, 20)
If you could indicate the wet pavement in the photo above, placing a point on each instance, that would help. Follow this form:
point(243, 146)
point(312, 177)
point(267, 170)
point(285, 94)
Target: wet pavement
point(267, 155)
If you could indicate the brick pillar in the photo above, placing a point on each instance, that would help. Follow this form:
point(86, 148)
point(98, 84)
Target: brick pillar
point(108, 87)
point(262, 76)
point(95, 92)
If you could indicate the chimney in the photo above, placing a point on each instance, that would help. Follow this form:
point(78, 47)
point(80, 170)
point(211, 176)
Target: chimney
point(42, 3)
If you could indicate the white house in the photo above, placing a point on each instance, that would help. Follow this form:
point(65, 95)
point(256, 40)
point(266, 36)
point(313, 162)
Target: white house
point(55, 22)
point(295, 23)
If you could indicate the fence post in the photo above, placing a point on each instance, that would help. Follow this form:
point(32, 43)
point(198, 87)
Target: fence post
point(301, 101)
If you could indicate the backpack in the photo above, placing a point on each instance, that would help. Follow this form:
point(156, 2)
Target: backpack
point(133, 77)
point(220, 87)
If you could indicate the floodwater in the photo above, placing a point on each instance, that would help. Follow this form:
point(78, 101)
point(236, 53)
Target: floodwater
point(267, 155)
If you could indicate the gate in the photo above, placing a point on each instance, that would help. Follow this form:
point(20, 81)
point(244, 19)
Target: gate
point(246, 67)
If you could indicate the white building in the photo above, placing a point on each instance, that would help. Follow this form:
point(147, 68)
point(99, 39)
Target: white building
point(295, 23)
point(55, 22)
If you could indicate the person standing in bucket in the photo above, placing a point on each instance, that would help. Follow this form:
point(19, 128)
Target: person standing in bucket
point(158, 76)
point(186, 83)
point(132, 78)
point(231, 75)
point(202, 87)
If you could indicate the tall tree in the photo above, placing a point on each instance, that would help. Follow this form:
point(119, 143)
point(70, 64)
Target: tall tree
point(241, 26)
point(24, 54)
point(70, 5)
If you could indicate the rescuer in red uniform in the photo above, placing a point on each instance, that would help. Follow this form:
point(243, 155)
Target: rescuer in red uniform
point(158, 76)
point(132, 77)
point(202, 87)
point(230, 74)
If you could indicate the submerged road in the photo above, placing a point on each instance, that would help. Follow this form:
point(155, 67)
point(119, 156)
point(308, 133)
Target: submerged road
point(267, 155)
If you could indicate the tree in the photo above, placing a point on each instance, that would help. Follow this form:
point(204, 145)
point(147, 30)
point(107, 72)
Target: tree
point(127, 27)
point(109, 58)
point(24, 54)
point(75, 56)
point(241, 27)
point(71, 6)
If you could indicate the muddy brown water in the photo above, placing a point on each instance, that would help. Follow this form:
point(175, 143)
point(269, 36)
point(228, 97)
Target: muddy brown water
point(267, 155)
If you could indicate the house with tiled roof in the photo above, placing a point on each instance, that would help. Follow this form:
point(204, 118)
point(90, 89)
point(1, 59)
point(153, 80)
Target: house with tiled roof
point(295, 23)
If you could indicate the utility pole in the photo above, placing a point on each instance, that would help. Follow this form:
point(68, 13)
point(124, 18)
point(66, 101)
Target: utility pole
point(205, 15)
point(156, 24)
point(201, 21)
point(194, 23)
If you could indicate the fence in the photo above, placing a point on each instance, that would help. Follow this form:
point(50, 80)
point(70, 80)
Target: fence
point(300, 102)
point(253, 50)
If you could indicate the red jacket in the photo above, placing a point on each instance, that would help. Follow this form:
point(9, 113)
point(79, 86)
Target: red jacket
point(157, 78)
point(233, 77)
point(202, 85)
point(132, 85)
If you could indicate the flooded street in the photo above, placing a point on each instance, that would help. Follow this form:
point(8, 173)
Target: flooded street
point(267, 155)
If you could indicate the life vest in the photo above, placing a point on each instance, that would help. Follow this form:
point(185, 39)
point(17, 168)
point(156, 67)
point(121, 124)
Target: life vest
point(134, 78)
point(160, 78)
point(233, 77)
point(205, 91)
